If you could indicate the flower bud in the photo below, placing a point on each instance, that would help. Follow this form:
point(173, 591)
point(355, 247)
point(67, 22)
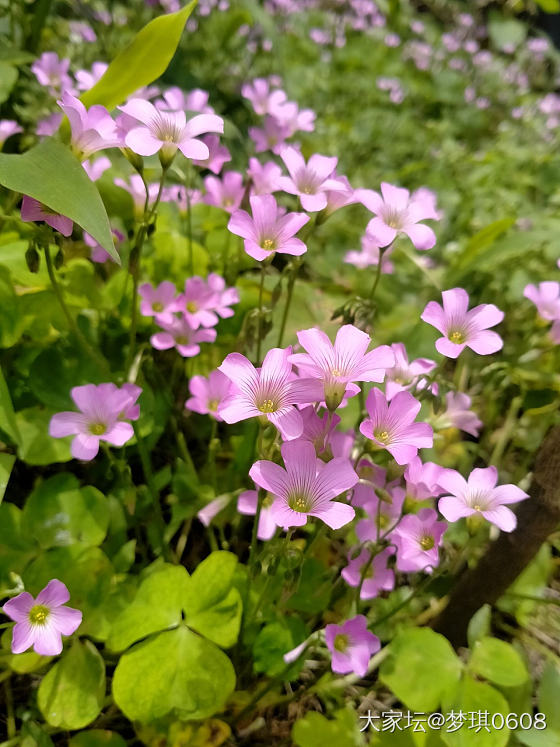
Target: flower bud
point(33, 259)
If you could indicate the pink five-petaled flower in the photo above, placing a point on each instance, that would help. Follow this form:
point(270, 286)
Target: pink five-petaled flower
point(376, 575)
point(268, 231)
point(306, 487)
point(546, 298)
point(208, 393)
point(33, 210)
point(92, 129)
point(160, 302)
point(405, 374)
point(417, 539)
point(351, 645)
point(52, 72)
point(102, 409)
point(391, 425)
point(311, 180)
point(168, 131)
point(198, 303)
point(181, 335)
point(270, 391)
point(395, 212)
point(247, 504)
point(41, 622)
point(338, 365)
point(463, 328)
point(226, 192)
point(479, 495)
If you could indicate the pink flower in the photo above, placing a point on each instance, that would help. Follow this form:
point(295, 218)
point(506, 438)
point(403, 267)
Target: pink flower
point(208, 393)
point(458, 414)
point(271, 137)
point(161, 302)
point(351, 645)
point(135, 188)
point(397, 213)
point(226, 192)
point(41, 622)
point(268, 231)
point(378, 577)
point(175, 99)
point(218, 154)
point(369, 256)
point(49, 125)
point(391, 425)
point(100, 418)
point(319, 431)
point(311, 180)
point(33, 210)
point(306, 487)
point(52, 72)
point(546, 298)
point(404, 375)
point(247, 504)
point(462, 328)
point(339, 198)
point(417, 538)
point(197, 303)
point(342, 363)
point(9, 127)
point(265, 178)
point(223, 297)
point(422, 479)
point(479, 495)
point(98, 254)
point(168, 131)
point(212, 509)
point(86, 79)
point(96, 169)
point(295, 119)
point(269, 391)
point(263, 99)
point(179, 334)
point(382, 515)
point(92, 129)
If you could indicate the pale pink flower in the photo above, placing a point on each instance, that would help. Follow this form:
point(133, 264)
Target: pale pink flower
point(381, 515)
point(417, 538)
point(33, 210)
point(208, 393)
point(265, 178)
point(421, 479)
point(175, 99)
point(270, 391)
point(207, 514)
point(458, 414)
point(49, 125)
point(351, 645)
point(42, 622)
point(311, 180)
point(546, 297)
point(271, 137)
point(100, 418)
point(160, 302)
point(226, 192)
point(247, 504)
point(135, 188)
point(263, 98)
point(378, 577)
point(289, 115)
point(463, 328)
point(319, 431)
point(404, 374)
point(479, 495)
point(180, 335)
point(268, 230)
point(198, 302)
point(9, 127)
point(306, 487)
point(338, 366)
point(52, 72)
point(339, 198)
point(391, 425)
point(369, 256)
point(86, 79)
point(224, 297)
point(92, 129)
point(218, 154)
point(95, 169)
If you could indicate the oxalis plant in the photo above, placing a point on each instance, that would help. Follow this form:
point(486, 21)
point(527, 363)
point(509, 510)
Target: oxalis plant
point(261, 488)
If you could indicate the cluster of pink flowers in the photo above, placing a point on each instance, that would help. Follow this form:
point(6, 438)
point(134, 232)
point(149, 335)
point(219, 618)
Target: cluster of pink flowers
point(546, 297)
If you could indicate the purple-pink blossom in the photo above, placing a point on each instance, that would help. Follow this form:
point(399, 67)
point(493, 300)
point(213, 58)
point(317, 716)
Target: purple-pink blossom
point(396, 212)
point(377, 576)
point(42, 622)
point(546, 297)
point(268, 230)
point(270, 391)
point(272, 136)
point(226, 192)
point(306, 487)
point(218, 154)
point(462, 328)
point(95, 169)
point(458, 414)
point(263, 98)
point(161, 302)
point(404, 374)
point(207, 394)
point(86, 79)
point(247, 504)
point(391, 425)
point(351, 645)
point(33, 210)
point(312, 180)
point(103, 409)
point(52, 72)
point(479, 495)
point(92, 129)
point(265, 178)
point(179, 334)
point(417, 538)
point(381, 515)
point(421, 479)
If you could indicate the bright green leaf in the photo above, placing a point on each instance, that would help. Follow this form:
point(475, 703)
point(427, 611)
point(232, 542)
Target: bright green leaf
point(36, 447)
point(144, 60)
point(8, 424)
point(469, 697)
point(479, 624)
point(6, 464)
point(549, 692)
point(97, 738)
point(315, 730)
point(8, 76)
point(71, 694)
point(173, 672)
point(51, 174)
point(498, 662)
point(420, 668)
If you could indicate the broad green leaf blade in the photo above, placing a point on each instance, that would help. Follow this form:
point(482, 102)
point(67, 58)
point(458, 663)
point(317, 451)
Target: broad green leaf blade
point(8, 424)
point(97, 738)
point(8, 76)
point(473, 698)
point(315, 730)
point(6, 464)
point(156, 606)
point(498, 662)
point(479, 625)
point(421, 668)
point(176, 672)
point(72, 692)
point(144, 60)
point(51, 174)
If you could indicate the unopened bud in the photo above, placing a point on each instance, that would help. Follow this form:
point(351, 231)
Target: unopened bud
point(134, 159)
point(33, 259)
point(58, 259)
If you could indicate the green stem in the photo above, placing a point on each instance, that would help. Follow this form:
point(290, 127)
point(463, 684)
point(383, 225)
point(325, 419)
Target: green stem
point(377, 274)
point(150, 481)
point(506, 432)
point(291, 284)
point(259, 327)
point(91, 352)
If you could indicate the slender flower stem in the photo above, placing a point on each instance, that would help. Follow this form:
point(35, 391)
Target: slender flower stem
point(505, 432)
point(378, 273)
point(291, 283)
point(254, 540)
point(188, 182)
point(259, 327)
point(91, 351)
point(150, 481)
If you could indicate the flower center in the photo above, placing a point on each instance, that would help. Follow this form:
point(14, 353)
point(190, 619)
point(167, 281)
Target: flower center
point(38, 614)
point(213, 404)
point(268, 405)
point(381, 435)
point(341, 642)
point(228, 202)
point(269, 245)
point(97, 429)
point(157, 307)
point(478, 502)
point(336, 372)
point(182, 340)
point(427, 542)
point(299, 503)
point(457, 337)
point(393, 218)
point(192, 307)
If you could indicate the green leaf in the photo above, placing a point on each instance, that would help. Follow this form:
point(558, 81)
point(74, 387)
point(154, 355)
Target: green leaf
point(273, 641)
point(173, 672)
point(6, 464)
point(12, 321)
point(8, 424)
point(538, 737)
point(71, 694)
point(156, 606)
point(420, 668)
point(212, 606)
point(549, 690)
point(315, 730)
point(479, 624)
point(144, 60)
point(498, 662)
point(36, 446)
point(51, 174)
point(481, 241)
point(472, 697)
point(97, 738)
point(549, 6)
point(8, 76)
point(59, 512)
